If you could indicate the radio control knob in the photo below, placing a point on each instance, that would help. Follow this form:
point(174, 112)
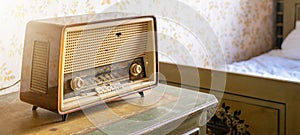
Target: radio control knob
point(76, 83)
point(135, 69)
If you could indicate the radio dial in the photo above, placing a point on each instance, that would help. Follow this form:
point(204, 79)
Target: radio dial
point(76, 83)
point(135, 69)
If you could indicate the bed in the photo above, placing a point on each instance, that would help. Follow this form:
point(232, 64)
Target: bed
point(260, 95)
point(273, 65)
point(281, 64)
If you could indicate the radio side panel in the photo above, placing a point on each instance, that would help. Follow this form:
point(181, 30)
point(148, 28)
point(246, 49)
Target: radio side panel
point(39, 77)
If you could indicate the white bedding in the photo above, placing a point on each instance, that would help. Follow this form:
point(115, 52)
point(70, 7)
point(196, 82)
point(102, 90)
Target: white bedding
point(271, 65)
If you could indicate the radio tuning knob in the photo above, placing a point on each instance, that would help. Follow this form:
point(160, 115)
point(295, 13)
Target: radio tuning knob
point(76, 83)
point(135, 69)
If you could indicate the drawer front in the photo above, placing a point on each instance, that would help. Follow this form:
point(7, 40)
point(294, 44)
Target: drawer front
point(241, 114)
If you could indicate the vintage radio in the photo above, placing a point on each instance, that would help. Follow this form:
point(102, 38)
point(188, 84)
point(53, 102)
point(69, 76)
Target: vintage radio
point(71, 63)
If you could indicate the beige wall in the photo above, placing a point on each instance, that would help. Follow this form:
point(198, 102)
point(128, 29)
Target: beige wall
point(244, 29)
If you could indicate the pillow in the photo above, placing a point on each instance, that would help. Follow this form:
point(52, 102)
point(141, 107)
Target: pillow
point(291, 44)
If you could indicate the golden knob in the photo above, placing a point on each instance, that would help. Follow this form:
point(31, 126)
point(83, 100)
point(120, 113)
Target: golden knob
point(76, 83)
point(135, 69)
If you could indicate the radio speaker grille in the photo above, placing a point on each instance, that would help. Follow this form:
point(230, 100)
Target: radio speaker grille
point(39, 72)
point(95, 47)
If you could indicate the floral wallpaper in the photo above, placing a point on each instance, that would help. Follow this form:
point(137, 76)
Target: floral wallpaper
point(243, 29)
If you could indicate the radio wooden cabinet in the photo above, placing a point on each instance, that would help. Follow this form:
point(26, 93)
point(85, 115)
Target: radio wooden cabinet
point(70, 63)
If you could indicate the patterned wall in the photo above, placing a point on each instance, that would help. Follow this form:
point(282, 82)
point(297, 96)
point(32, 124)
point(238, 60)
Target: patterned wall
point(244, 28)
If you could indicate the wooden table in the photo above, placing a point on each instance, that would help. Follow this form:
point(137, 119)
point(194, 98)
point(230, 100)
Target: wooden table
point(164, 109)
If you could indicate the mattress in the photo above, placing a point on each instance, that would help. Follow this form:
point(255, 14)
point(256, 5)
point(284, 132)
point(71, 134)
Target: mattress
point(270, 65)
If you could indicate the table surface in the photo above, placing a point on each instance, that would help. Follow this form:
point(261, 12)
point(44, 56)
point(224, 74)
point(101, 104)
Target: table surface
point(128, 115)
